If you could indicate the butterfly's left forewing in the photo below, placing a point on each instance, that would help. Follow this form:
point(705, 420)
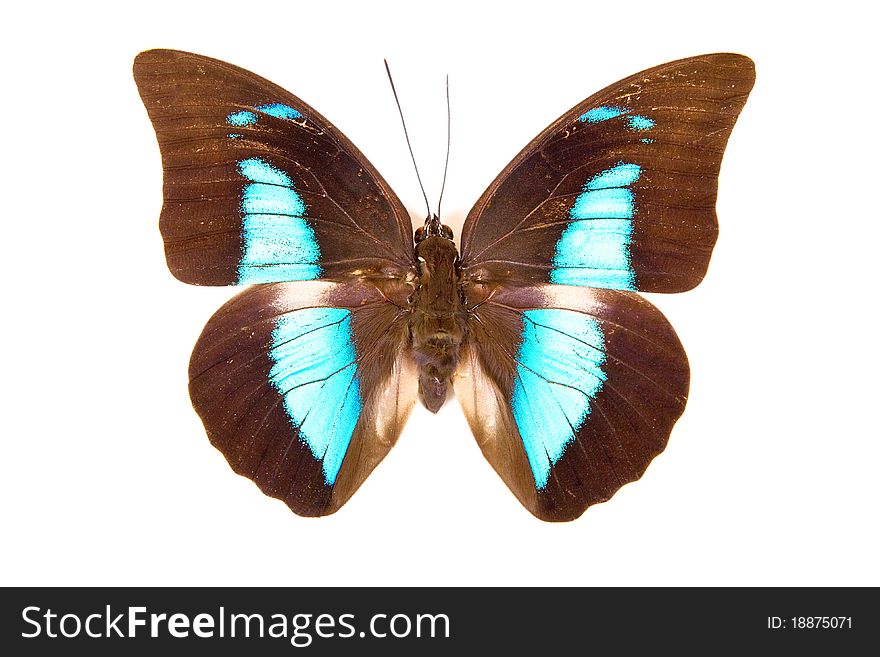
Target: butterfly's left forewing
point(572, 382)
point(304, 387)
point(619, 192)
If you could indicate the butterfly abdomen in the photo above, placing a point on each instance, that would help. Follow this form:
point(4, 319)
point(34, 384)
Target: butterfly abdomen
point(437, 325)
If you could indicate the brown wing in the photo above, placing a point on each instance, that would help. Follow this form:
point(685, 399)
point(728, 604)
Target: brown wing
point(619, 192)
point(305, 387)
point(570, 392)
point(259, 187)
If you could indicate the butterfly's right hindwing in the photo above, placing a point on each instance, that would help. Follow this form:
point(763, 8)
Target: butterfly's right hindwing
point(304, 387)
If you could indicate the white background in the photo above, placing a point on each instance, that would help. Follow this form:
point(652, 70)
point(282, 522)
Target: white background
point(770, 476)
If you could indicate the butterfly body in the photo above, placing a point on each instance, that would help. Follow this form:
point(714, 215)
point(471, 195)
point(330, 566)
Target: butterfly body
point(438, 322)
point(570, 381)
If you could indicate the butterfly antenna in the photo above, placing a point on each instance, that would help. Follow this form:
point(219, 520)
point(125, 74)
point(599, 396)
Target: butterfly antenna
point(448, 143)
point(406, 134)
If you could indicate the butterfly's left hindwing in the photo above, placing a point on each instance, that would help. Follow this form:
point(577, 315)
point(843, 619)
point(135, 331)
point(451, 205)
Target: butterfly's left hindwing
point(304, 387)
point(259, 187)
point(570, 392)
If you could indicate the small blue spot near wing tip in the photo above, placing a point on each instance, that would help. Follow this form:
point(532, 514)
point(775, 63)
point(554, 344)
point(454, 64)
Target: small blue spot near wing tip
point(639, 122)
point(243, 118)
point(635, 122)
point(280, 110)
point(601, 113)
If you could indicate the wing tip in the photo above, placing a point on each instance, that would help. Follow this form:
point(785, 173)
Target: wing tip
point(146, 62)
point(148, 58)
point(744, 65)
point(157, 55)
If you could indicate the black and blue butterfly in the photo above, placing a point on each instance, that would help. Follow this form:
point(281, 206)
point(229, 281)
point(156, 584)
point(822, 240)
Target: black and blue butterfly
point(570, 381)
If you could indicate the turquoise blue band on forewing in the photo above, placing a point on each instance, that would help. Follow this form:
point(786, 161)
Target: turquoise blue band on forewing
point(594, 249)
point(315, 371)
point(558, 375)
point(279, 244)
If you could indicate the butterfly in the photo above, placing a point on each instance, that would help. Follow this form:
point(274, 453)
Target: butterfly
point(570, 381)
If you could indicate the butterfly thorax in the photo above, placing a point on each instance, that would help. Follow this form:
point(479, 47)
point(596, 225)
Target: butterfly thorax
point(437, 324)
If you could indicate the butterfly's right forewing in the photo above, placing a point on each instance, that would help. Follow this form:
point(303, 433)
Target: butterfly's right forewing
point(258, 186)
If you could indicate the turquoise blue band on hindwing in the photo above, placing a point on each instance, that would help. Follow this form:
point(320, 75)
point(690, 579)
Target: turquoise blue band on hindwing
point(315, 371)
point(278, 242)
point(559, 373)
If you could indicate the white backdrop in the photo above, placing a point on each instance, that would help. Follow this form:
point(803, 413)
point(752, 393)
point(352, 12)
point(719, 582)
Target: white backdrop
point(770, 476)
